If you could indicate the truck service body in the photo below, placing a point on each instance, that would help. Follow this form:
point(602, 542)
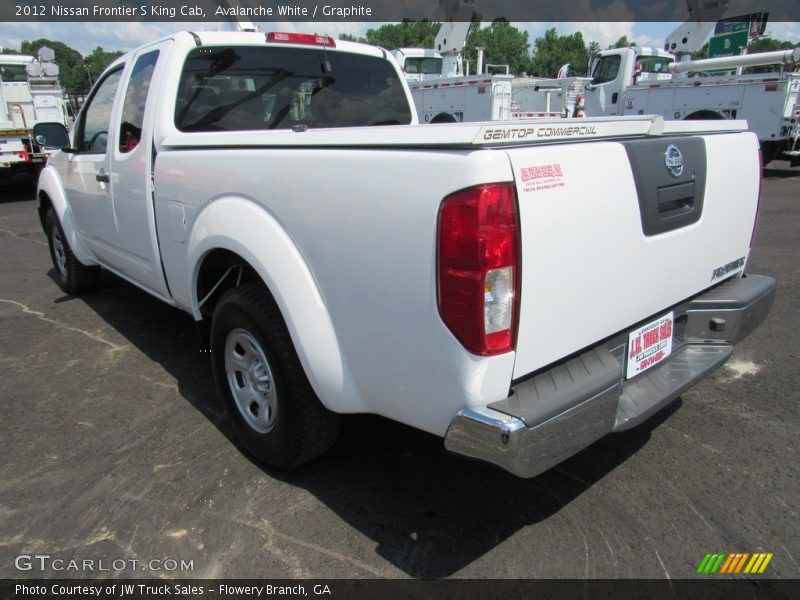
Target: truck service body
point(519, 288)
point(30, 93)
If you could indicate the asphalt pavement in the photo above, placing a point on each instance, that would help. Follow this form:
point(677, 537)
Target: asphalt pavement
point(114, 449)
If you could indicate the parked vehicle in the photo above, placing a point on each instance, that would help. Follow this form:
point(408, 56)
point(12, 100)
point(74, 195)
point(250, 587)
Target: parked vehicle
point(520, 288)
point(637, 81)
point(30, 94)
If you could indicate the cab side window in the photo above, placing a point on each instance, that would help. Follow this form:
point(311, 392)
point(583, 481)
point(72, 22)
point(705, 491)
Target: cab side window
point(130, 130)
point(606, 69)
point(97, 116)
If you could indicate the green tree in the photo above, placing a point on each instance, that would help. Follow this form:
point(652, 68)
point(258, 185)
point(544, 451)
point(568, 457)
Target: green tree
point(98, 60)
point(503, 44)
point(700, 53)
point(407, 34)
point(622, 42)
point(768, 44)
point(351, 38)
point(551, 51)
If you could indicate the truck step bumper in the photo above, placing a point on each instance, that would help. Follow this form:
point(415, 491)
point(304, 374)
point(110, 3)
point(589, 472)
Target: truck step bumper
point(554, 414)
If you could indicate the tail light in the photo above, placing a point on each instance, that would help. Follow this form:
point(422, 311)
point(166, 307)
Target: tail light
point(479, 267)
point(23, 155)
point(758, 202)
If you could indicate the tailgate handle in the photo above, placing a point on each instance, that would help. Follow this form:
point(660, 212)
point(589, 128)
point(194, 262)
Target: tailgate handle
point(674, 200)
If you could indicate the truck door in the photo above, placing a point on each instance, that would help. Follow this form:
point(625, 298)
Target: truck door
point(604, 92)
point(87, 179)
point(131, 223)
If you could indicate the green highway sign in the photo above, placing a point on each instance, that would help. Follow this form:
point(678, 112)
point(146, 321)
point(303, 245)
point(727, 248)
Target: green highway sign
point(728, 44)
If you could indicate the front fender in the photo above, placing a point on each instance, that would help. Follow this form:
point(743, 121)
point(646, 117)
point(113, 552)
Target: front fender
point(50, 184)
point(247, 229)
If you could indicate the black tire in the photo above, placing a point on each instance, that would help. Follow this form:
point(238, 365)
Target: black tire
point(71, 275)
point(704, 115)
point(770, 151)
point(296, 427)
point(443, 118)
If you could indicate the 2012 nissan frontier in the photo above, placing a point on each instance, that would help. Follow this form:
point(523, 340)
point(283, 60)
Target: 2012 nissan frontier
point(519, 288)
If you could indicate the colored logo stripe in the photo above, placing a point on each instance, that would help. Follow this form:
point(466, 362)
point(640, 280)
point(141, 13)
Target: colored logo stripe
point(724, 563)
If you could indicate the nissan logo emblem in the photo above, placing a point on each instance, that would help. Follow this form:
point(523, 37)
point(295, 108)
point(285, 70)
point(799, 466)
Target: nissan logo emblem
point(673, 160)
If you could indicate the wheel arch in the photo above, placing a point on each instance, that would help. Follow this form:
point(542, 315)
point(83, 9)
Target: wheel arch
point(443, 117)
point(235, 240)
point(704, 115)
point(50, 194)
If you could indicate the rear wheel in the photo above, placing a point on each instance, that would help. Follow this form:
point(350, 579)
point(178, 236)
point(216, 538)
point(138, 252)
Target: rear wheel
point(71, 275)
point(770, 151)
point(264, 389)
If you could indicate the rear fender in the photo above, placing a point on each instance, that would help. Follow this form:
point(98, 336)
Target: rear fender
point(247, 229)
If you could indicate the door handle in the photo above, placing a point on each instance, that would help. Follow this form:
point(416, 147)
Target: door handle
point(102, 178)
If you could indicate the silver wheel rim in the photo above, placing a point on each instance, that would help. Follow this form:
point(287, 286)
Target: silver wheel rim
point(250, 380)
point(58, 252)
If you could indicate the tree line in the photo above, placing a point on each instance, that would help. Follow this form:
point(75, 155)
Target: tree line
point(76, 72)
point(505, 44)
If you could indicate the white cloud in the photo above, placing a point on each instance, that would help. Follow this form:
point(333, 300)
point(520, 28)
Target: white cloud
point(784, 31)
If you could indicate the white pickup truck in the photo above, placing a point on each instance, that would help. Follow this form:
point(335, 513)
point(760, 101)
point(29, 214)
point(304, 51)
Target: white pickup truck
point(519, 288)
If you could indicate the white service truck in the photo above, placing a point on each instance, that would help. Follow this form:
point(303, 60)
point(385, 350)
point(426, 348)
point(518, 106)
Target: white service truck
point(30, 94)
point(638, 80)
point(519, 288)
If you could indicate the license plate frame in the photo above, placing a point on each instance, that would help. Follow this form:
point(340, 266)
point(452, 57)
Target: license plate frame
point(649, 345)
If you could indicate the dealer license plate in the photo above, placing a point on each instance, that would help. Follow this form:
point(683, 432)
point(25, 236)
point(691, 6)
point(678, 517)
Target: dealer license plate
point(649, 345)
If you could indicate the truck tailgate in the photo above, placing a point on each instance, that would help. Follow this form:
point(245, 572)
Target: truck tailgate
point(611, 238)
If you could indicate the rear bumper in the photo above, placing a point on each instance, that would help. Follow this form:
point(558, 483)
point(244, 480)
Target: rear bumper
point(556, 413)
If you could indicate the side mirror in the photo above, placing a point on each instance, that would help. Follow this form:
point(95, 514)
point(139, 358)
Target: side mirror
point(51, 135)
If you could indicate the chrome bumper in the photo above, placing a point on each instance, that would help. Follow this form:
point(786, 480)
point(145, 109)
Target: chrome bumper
point(554, 414)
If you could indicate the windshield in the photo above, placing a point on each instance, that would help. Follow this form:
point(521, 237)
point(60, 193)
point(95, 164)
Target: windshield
point(424, 65)
point(250, 87)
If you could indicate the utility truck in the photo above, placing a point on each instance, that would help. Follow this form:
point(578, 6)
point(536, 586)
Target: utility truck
point(525, 288)
point(444, 91)
point(638, 81)
point(30, 94)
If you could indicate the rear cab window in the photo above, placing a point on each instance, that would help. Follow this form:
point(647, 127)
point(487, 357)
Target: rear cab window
point(233, 88)
point(424, 65)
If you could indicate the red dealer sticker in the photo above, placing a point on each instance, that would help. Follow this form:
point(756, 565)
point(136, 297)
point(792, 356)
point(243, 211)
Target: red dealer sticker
point(541, 177)
point(649, 345)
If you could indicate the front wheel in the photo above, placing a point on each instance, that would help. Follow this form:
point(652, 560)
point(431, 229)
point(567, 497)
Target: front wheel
point(71, 275)
point(264, 389)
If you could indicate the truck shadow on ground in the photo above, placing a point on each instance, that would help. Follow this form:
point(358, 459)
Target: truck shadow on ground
point(780, 169)
point(429, 513)
point(20, 188)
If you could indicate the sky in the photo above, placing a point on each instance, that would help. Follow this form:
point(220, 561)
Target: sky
point(84, 37)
